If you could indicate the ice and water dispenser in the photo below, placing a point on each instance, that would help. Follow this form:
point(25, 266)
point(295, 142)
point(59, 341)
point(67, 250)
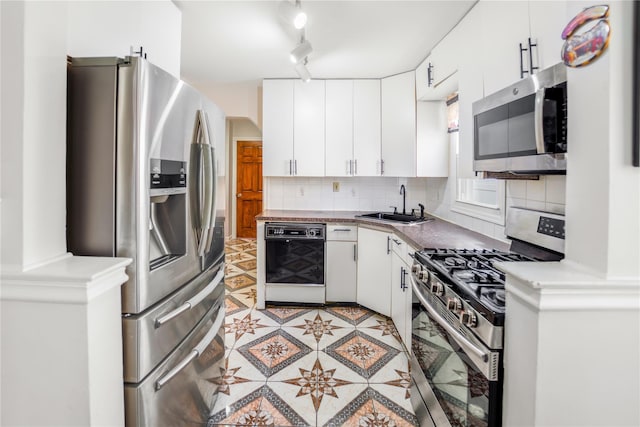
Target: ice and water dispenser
point(167, 211)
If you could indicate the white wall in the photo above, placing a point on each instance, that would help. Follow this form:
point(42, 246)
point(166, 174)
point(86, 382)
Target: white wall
point(33, 133)
point(378, 193)
point(112, 28)
point(603, 189)
point(237, 100)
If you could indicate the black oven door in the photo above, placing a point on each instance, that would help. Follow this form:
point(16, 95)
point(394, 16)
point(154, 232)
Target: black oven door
point(444, 363)
point(294, 261)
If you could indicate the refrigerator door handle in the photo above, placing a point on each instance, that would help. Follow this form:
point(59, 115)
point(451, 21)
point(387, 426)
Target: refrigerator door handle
point(202, 190)
point(194, 354)
point(191, 302)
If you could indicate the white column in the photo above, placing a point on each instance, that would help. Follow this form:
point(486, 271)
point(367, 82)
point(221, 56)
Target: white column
point(603, 188)
point(61, 350)
point(572, 334)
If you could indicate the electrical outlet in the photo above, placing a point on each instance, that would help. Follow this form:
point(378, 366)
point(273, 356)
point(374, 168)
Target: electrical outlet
point(336, 186)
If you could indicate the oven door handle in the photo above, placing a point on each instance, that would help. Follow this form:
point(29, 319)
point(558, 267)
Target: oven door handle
point(461, 339)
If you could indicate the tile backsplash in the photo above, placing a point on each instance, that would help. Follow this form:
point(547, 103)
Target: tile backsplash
point(379, 193)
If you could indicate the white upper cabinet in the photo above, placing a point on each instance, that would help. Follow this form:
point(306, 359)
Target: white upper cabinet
point(277, 127)
point(519, 38)
point(432, 139)
point(399, 125)
point(436, 76)
point(547, 20)
point(339, 128)
point(352, 127)
point(505, 24)
point(308, 127)
point(293, 128)
point(366, 127)
point(470, 87)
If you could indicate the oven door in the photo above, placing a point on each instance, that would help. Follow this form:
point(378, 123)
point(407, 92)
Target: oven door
point(458, 378)
point(294, 261)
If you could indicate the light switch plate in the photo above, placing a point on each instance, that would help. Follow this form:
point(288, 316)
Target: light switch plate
point(336, 186)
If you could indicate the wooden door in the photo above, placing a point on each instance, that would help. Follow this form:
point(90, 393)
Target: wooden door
point(248, 187)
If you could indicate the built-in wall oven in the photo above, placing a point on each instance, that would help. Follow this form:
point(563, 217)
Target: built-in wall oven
point(295, 262)
point(458, 320)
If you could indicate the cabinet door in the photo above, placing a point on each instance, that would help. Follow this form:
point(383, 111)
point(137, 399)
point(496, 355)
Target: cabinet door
point(547, 20)
point(470, 87)
point(422, 79)
point(505, 24)
point(366, 127)
point(277, 127)
point(374, 270)
point(308, 127)
point(341, 272)
point(432, 145)
point(399, 125)
point(339, 128)
point(401, 299)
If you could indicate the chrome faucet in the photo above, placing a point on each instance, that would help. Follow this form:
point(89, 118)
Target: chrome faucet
point(403, 191)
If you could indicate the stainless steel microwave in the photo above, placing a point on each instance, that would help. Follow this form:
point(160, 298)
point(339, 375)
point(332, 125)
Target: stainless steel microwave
point(522, 129)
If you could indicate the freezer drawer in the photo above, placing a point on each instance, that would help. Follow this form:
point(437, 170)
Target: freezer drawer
point(150, 336)
point(179, 391)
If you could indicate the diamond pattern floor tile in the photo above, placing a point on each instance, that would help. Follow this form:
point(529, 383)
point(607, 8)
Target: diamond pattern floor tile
point(306, 366)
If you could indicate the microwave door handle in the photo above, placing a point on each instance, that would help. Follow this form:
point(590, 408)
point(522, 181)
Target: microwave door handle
point(538, 121)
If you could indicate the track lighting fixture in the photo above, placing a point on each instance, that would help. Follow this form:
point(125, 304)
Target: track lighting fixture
point(300, 52)
point(302, 71)
point(293, 13)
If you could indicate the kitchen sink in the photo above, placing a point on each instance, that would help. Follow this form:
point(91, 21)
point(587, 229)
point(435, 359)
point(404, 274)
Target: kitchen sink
point(395, 217)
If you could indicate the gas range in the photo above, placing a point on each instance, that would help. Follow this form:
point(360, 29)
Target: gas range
point(458, 319)
point(471, 276)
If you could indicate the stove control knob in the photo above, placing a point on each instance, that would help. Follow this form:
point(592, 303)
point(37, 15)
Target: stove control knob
point(454, 304)
point(437, 287)
point(415, 268)
point(468, 318)
point(423, 275)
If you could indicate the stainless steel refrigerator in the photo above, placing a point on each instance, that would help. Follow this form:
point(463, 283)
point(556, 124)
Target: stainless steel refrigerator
point(142, 158)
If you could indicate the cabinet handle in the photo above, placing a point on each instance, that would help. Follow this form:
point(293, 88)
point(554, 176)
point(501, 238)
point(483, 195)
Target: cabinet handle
point(342, 229)
point(350, 172)
point(430, 75)
point(522, 70)
point(531, 46)
point(388, 245)
point(355, 252)
point(355, 167)
point(403, 279)
point(295, 167)
point(290, 167)
point(397, 242)
point(381, 167)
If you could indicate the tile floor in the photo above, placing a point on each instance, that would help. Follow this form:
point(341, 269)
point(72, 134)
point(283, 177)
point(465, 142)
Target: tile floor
point(306, 366)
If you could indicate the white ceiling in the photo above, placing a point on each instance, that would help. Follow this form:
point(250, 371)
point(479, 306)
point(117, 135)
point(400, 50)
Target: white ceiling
point(241, 41)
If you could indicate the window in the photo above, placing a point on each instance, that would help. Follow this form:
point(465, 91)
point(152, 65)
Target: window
point(479, 198)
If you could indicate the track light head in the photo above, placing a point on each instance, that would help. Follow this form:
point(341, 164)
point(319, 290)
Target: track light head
point(303, 73)
point(300, 52)
point(293, 14)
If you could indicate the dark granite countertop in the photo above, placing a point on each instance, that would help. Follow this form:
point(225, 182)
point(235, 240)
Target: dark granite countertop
point(437, 233)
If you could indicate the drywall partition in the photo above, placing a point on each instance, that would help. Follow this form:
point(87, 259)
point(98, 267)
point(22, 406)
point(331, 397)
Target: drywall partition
point(113, 28)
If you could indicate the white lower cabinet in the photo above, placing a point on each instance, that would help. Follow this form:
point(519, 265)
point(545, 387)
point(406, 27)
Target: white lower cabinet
point(401, 290)
point(341, 266)
point(374, 270)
